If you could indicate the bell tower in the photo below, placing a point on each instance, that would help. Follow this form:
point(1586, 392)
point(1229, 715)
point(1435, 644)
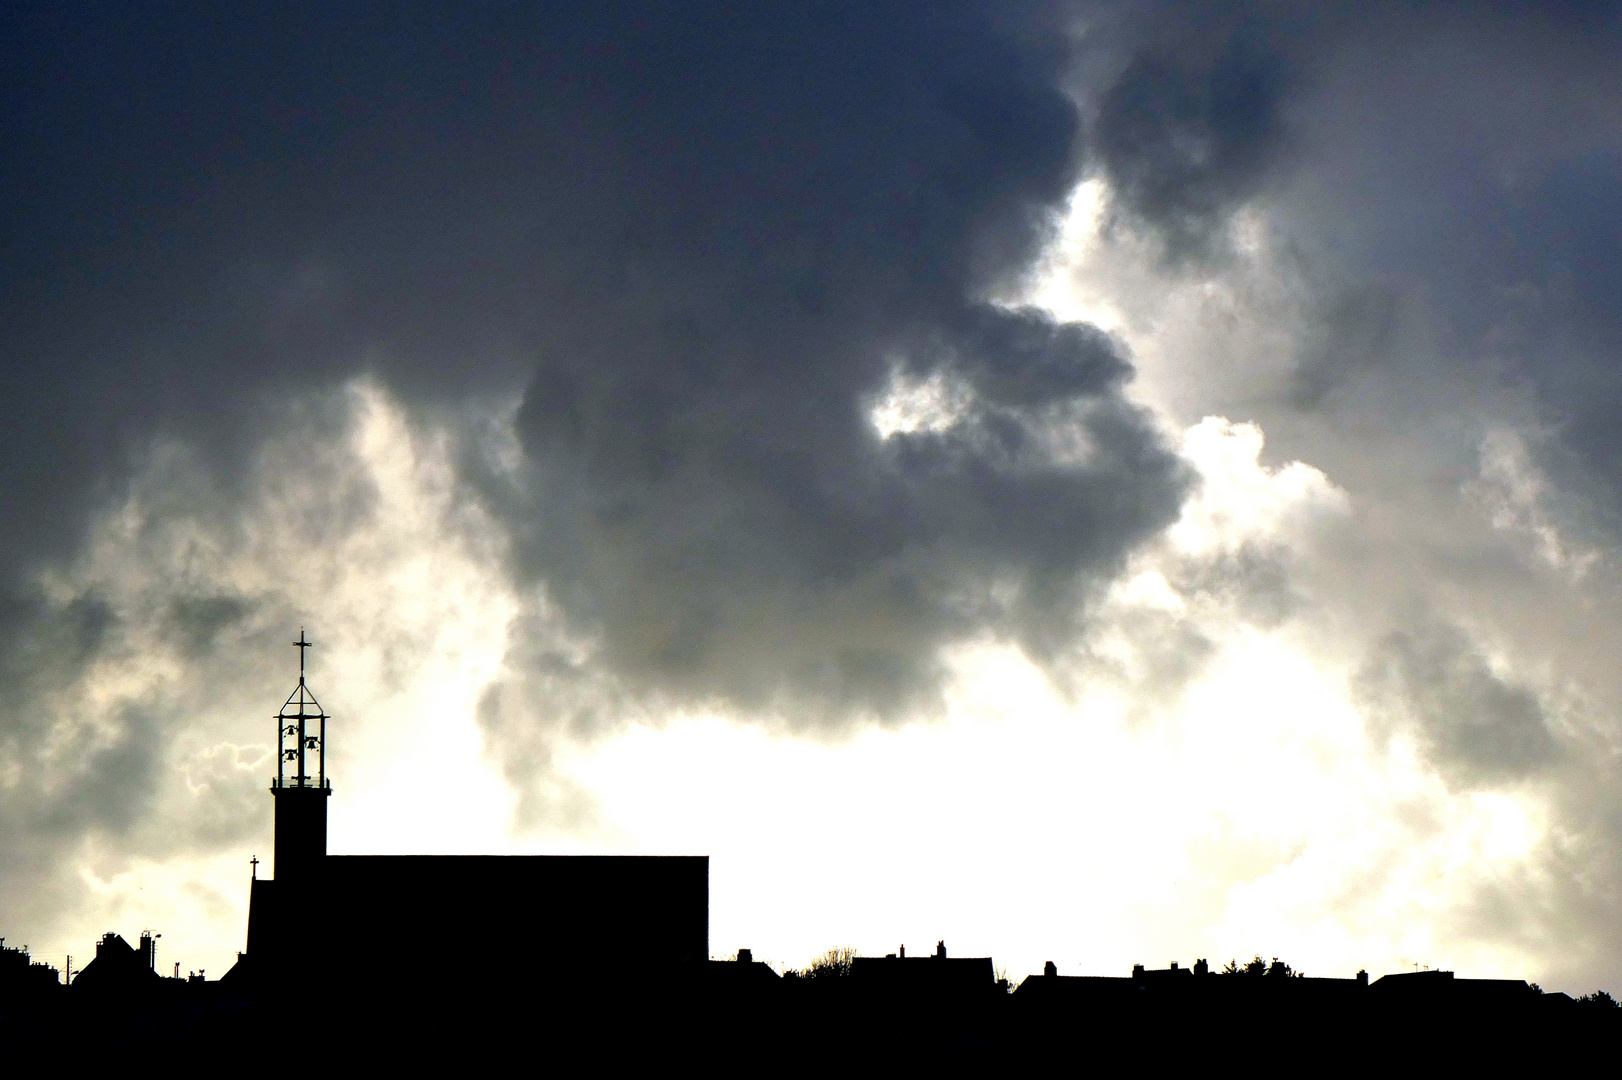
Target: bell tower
point(301, 789)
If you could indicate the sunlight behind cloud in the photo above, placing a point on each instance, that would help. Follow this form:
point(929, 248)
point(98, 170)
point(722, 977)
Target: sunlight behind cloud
point(1255, 818)
point(357, 532)
point(1240, 501)
point(1055, 289)
point(911, 406)
point(1375, 861)
point(1250, 812)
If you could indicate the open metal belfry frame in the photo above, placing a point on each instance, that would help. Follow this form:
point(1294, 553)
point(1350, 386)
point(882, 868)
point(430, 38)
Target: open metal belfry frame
point(294, 741)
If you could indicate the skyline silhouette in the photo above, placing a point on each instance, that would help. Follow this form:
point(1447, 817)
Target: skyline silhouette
point(617, 948)
point(1091, 482)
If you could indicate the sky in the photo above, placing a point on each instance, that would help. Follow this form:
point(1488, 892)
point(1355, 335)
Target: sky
point(1106, 484)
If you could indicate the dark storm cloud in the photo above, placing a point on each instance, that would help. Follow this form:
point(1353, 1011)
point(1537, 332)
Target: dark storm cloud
point(1467, 163)
point(198, 622)
point(52, 646)
point(717, 512)
point(1190, 127)
point(1475, 725)
point(78, 766)
point(702, 241)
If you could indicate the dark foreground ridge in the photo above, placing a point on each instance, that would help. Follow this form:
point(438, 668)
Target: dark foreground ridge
point(607, 961)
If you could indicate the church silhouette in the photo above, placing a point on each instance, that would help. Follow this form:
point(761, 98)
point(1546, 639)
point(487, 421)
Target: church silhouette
point(389, 915)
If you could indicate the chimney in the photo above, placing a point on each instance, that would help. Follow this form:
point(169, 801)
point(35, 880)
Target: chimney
point(1137, 971)
point(745, 956)
point(940, 950)
point(1201, 967)
point(1050, 968)
point(1174, 965)
point(1362, 978)
point(903, 952)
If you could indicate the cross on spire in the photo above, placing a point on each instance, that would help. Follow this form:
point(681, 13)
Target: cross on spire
point(255, 863)
point(294, 739)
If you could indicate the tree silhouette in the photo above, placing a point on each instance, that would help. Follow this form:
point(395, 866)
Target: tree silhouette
point(835, 963)
point(1256, 967)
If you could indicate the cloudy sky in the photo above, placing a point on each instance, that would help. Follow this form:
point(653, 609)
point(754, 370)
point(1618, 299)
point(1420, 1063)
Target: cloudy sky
point(1103, 484)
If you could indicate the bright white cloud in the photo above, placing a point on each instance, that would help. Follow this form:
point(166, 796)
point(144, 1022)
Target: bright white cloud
point(1240, 501)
